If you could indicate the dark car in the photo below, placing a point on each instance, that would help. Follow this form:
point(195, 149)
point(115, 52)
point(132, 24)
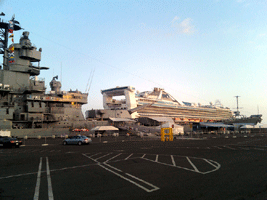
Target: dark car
point(77, 140)
point(10, 142)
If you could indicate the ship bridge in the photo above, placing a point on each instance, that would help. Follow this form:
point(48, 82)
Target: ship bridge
point(128, 103)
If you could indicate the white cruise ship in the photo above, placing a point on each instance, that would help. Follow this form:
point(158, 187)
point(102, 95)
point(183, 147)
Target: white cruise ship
point(159, 103)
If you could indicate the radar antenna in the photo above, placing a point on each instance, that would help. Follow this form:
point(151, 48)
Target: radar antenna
point(237, 112)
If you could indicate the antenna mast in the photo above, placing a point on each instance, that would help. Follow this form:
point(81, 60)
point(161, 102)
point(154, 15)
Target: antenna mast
point(61, 73)
point(5, 29)
point(237, 113)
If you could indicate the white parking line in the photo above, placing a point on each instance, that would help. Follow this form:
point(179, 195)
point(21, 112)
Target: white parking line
point(133, 182)
point(103, 156)
point(96, 154)
point(128, 157)
point(173, 162)
point(172, 165)
point(70, 152)
point(38, 182)
point(123, 177)
point(18, 175)
point(112, 158)
point(90, 158)
point(259, 149)
point(211, 163)
point(157, 158)
point(143, 156)
point(155, 187)
point(229, 147)
point(74, 167)
point(50, 191)
point(112, 167)
point(243, 148)
point(192, 164)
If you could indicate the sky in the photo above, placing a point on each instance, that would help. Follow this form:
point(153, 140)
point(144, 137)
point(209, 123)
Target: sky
point(198, 51)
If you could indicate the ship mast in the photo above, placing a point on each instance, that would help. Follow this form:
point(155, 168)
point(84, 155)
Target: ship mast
point(237, 112)
point(5, 28)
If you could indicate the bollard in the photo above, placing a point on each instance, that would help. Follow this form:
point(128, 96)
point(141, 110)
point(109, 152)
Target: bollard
point(25, 138)
point(45, 144)
point(99, 135)
point(53, 136)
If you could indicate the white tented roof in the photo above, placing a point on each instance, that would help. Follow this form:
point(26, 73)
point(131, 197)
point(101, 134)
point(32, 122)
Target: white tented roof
point(177, 129)
point(104, 128)
point(121, 120)
point(247, 126)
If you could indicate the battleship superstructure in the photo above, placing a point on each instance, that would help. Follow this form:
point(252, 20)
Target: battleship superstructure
point(24, 102)
point(158, 103)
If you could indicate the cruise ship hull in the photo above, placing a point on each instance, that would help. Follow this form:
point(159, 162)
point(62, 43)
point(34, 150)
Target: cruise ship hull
point(186, 114)
point(159, 103)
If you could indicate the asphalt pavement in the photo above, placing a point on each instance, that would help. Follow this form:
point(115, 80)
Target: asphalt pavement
point(136, 168)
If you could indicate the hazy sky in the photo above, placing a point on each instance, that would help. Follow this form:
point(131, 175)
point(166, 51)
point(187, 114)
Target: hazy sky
point(198, 51)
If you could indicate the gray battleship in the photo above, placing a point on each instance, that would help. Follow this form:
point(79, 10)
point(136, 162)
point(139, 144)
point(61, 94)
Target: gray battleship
point(237, 118)
point(24, 102)
point(243, 120)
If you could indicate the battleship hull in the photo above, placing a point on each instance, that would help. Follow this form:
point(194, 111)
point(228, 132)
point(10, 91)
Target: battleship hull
point(53, 131)
point(252, 120)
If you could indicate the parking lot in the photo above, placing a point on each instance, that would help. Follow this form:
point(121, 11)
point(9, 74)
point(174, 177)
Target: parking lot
point(136, 168)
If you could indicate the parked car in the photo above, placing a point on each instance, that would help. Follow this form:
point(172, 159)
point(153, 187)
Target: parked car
point(79, 140)
point(10, 142)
